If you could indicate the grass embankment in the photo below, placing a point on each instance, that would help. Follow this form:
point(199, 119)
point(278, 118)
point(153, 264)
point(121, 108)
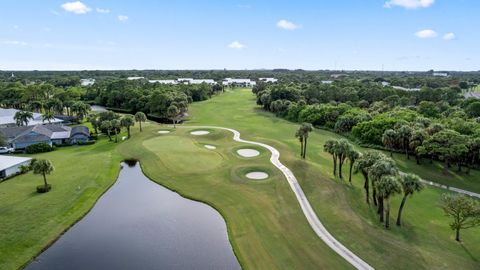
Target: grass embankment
point(425, 241)
point(30, 221)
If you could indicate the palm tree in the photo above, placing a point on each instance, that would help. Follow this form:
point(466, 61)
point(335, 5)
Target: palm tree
point(172, 113)
point(22, 118)
point(330, 147)
point(140, 117)
point(381, 168)
point(127, 121)
point(306, 128)
point(107, 126)
point(342, 148)
point(416, 140)
point(93, 119)
point(35, 106)
point(299, 135)
point(363, 165)
point(115, 127)
point(404, 133)
point(411, 183)
point(387, 187)
point(48, 116)
point(389, 139)
point(43, 167)
point(80, 109)
point(352, 156)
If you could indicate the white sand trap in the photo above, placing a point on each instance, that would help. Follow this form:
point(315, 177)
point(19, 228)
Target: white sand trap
point(199, 132)
point(257, 175)
point(211, 147)
point(246, 152)
point(163, 132)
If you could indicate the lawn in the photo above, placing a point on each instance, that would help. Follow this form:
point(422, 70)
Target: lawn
point(29, 221)
point(265, 224)
point(425, 242)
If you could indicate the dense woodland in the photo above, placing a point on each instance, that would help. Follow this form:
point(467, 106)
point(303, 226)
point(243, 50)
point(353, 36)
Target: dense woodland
point(433, 123)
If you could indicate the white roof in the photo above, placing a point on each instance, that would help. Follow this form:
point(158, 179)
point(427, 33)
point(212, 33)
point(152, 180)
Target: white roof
point(6, 117)
point(9, 161)
point(209, 81)
point(163, 81)
point(135, 78)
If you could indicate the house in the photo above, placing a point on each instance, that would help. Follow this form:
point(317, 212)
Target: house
point(200, 81)
point(238, 82)
point(440, 74)
point(327, 82)
point(163, 81)
point(135, 78)
point(87, 82)
point(10, 166)
point(268, 80)
point(22, 137)
point(7, 118)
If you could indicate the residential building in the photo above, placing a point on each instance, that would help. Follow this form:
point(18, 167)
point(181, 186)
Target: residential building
point(238, 82)
point(87, 82)
point(163, 81)
point(268, 80)
point(440, 74)
point(7, 118)
point(135, 78)
point(22, 137)
point(10, 166)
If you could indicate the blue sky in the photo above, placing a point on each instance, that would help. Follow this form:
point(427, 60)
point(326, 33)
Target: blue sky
point(216, 34)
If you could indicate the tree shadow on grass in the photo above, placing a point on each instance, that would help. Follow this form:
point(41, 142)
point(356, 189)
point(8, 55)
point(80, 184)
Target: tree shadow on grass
point(474, 258)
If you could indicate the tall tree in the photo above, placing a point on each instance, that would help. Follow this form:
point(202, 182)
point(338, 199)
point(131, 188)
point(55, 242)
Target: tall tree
point(173, 113)
point(363, 165)
point(330, 147)
point(116, 126)
point(106, 125)
point(22, 118)
point(43, 167)
point(389, 140)
point(342, 149)
point(94, 120)
point(381, 168)
point(306, 129)
point(140, 117)
point(48, 116)
point(299, 135)
point(416, 140)
point(388, 186)
point(411, 183)
point(352, 156)
point(464, 211)
point(404, 133)
point(127, 121)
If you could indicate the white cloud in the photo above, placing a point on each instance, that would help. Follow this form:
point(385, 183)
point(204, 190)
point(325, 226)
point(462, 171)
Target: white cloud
point(427, 33)
point(14, 42)
point(76, 7)
point(286, 25)
point(103, 10)
point(449, 36)
point(409, 4)
point(122, 18)
point(236, 45)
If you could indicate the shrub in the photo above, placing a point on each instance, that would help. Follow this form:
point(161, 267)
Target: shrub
point(42, 189)
point(38, 148)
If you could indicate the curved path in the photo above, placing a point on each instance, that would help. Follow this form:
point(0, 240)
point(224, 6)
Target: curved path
point(307, 209)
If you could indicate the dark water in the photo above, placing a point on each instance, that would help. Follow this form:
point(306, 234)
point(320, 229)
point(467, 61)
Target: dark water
point(138, 224)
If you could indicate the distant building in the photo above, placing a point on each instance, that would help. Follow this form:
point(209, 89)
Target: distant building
point(327, 82)
point(406, 89)
point(440, 74)
point(238, 82)
point(163, 81)
point(7, 118)
point(10, 166)
point(384, 84)
point(200, 81)
point(21, 137)
point(135, 78)
point(87, 82)
point(268, 80)
point(472, 95)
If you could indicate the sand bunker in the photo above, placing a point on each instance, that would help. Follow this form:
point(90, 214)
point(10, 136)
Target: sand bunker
point(199, 132)
point(163, 132)
point(211, 147)
point(246, 152)
point(257, 175)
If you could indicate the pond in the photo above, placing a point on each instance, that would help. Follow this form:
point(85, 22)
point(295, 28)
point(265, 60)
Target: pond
point(138, 224)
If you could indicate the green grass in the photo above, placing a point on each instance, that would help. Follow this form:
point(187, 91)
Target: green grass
point(265, 224)
point(425, 242)
point(30, 221)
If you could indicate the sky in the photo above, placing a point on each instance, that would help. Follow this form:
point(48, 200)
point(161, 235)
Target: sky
point(244, 34)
